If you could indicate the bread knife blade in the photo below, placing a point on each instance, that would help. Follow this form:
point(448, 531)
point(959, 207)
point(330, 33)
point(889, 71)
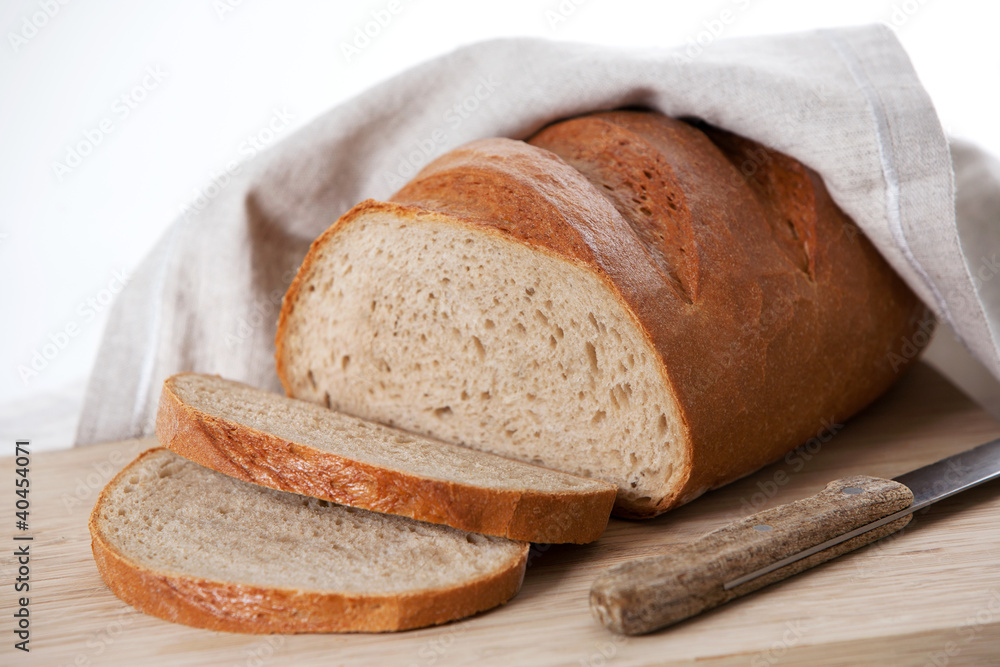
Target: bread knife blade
point(647, 594)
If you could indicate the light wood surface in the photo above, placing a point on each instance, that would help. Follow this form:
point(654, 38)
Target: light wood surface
point(928, 595)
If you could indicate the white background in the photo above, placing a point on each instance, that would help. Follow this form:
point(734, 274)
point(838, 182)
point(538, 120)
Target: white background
point(226, 67)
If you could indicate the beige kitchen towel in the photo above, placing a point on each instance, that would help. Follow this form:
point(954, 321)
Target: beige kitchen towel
point(845, 102)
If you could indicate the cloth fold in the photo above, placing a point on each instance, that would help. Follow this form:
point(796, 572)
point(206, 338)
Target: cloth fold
point(846, 102)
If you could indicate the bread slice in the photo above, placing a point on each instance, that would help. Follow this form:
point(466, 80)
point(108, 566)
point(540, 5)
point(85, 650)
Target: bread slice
point(187, 544)
point(625, 296)
point(293, 445)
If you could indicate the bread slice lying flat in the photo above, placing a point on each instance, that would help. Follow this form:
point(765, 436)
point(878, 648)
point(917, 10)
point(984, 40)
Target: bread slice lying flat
point(293, 445)
point(187, 544)
point(624, 296)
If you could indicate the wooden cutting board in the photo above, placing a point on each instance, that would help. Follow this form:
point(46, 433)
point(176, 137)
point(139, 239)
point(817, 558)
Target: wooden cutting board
point(928, 596)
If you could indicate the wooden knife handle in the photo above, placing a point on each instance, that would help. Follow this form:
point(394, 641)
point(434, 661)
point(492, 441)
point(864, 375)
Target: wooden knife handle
point(650, 593)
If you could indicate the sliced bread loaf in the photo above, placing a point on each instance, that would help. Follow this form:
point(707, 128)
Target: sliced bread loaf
point(625, 296)
point(293, 445)
point(187, 544)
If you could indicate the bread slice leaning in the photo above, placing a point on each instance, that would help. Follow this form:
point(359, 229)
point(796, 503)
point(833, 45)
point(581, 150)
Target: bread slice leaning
point(294, 445)
point(189, 545)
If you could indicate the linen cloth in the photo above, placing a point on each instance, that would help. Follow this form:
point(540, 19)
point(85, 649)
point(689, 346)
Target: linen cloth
point(846, 102)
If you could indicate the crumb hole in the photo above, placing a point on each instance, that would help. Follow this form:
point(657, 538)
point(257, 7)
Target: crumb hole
point(591, 356)
point(480, 350)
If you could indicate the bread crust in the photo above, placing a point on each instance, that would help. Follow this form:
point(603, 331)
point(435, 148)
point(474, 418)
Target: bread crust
point(235, 607)
point(262, 458)
point(773, 317)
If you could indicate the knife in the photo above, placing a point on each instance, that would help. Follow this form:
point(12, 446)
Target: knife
point(647, 594)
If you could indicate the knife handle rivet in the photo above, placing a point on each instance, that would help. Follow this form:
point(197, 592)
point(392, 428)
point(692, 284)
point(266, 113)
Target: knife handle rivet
point(763, 527)
point(853, 490)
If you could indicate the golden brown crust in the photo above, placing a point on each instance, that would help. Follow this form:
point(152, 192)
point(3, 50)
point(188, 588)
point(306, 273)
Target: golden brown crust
point(642, 187)
point(263, 458)
point(774, 317)
point(234, 607)
point(780, 317)
point(794, 314)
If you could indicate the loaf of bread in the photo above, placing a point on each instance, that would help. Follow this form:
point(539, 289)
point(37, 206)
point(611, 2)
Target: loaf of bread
point(624, 296)
point(293, 445)
point(190, 545)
